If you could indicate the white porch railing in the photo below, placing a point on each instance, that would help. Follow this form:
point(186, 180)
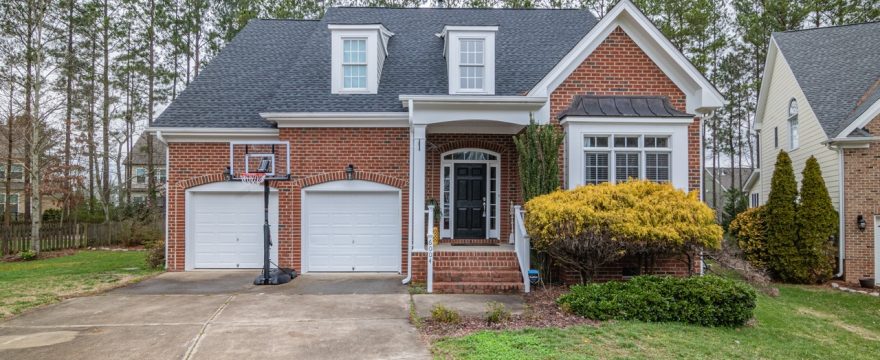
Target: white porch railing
point(522, 246)
point(430, 246)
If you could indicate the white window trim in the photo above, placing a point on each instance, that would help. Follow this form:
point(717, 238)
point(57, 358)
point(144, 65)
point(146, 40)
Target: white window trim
point(453, 36)
point(365, 64)
point(491, 233)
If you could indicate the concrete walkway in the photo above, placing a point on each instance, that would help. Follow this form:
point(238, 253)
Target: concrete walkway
point(219, 315)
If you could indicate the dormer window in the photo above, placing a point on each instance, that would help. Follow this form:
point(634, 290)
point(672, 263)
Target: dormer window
point(354, 64)
point(470, 58)
point(358, 53)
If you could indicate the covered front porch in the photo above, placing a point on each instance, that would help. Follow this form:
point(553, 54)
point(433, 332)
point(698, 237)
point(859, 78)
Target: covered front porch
point(465, 183)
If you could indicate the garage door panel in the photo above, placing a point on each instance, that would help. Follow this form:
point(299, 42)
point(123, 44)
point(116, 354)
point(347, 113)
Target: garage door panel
point(227, 229)
point(352, 231)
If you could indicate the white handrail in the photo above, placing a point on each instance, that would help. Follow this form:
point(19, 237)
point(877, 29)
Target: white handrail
point(522, 246)
point(430, 237)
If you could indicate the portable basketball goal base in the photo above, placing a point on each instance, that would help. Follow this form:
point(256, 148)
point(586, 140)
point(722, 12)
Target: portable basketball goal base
point(261, 162)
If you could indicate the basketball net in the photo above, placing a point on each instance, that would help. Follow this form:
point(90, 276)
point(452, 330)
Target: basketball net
point(253, 178)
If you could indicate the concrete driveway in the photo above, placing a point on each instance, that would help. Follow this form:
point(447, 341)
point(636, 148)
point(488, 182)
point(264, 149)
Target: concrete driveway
point(220, 315)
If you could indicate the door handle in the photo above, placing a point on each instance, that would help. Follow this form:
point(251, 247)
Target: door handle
point(483, 207)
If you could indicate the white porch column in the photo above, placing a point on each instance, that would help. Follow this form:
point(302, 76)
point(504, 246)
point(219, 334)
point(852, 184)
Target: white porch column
point(417, 147)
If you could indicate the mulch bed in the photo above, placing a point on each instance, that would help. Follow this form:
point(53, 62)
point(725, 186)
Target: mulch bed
point(541, 312)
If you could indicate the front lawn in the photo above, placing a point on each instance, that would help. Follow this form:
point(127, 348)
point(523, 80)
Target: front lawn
point(24, 285)
point(803, 322)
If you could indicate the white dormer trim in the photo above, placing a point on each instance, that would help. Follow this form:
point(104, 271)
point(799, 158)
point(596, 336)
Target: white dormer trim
point(376, 36)
point(453, 36)
point(701, 95)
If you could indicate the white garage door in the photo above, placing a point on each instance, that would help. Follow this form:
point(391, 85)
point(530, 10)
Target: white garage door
point(352, 231)
point(227, 230)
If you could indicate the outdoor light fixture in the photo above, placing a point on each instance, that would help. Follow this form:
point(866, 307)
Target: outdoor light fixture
point(227, 174)
point(860, 220)
point(349, 172)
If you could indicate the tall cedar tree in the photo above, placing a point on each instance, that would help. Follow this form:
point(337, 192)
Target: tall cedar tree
point(538, 149)
point(816, 223)
point(781, 226)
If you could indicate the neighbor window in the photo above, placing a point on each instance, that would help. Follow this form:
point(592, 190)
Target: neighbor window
point(137, 199)
point(628, 157)
point(472, 66)
point(793, 123)
point(160, 176)
point(13, 204)
point(354, 64)
point(140, 175)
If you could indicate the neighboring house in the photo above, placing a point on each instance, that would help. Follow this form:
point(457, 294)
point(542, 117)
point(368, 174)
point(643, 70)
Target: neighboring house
point(137, 169)
point(820, 97)
point(423, 104)
point(17, 185)
point(722, 183)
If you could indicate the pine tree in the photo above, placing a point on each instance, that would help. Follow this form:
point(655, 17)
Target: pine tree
point(817, 222)
point(781, 226)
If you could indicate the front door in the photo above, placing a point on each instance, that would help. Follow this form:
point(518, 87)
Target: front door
point(470, 201)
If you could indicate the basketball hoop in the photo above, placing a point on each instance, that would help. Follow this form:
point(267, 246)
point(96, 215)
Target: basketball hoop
point(252, 178)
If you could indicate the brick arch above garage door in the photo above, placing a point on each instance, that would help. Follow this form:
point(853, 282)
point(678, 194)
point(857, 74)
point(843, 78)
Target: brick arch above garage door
point(358, 175)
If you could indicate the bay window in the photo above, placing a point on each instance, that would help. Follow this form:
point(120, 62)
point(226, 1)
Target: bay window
point(628, 157)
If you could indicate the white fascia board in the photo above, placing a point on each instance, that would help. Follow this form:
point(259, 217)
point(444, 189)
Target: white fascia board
point(769, 62)
point(870, 113)
point(626, 120)
point(338, 119)
point(472, 99)
point(703, 96)
point(221, 135)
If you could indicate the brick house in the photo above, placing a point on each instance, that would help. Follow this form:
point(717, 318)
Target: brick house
point(820, 96)
point(386, 111)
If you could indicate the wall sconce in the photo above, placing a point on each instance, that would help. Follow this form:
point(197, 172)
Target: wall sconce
point(860, 220)
point(349, 172)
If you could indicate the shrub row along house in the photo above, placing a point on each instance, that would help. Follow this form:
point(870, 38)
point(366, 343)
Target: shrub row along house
point(388, 110)
point(820, 96)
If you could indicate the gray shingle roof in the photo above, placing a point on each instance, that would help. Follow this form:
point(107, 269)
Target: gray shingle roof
point(836, 68)
point(284, 66)
point(622, 106)
point(138, 155)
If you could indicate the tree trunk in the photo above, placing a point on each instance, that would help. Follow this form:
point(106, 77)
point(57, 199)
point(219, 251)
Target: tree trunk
point(105, 80)
point(151, 83)
point(68, 99)
point(7, 191)
point(93, 157)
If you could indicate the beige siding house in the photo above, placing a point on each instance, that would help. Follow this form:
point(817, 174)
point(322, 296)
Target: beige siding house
point(820, 96)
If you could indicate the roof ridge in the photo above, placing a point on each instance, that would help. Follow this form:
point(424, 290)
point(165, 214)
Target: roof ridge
point(291, 20)
point(826, 27)
point(448, 8)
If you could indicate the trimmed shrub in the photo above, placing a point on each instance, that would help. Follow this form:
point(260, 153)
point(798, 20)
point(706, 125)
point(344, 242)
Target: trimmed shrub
point(593, 225)
point(706, 300)
point(27, 255)
point(817, 222)
point(781, 210)
point(748, 229)
point(496, 313)
point(155, 253)
point(445, 315)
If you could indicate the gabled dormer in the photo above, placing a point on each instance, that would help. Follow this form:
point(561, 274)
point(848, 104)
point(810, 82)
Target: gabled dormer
point(470, 58)
point(358, 53)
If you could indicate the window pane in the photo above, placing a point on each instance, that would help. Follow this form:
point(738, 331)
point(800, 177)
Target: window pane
point(656, 141)
point(657, 167)
point(470, 155)
point(793, 123)
point(596, 167)
point(626, 166)
point(596, 141)
point(626, 141)
point(471, 51)
point(354, 76)
point(471, 77)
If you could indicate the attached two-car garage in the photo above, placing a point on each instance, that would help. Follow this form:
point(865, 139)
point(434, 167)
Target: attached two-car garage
point(347, 226)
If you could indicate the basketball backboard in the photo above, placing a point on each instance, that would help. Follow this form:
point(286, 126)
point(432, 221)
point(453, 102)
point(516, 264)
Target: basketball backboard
point(268, 158)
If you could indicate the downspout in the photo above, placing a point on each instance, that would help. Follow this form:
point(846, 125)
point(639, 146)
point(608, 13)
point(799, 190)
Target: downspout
point(702, 160)
point(409, 234)
point(841, 214)
point(162, 140)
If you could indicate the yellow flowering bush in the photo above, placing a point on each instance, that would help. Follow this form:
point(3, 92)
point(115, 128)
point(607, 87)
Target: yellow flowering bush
point(593, 225)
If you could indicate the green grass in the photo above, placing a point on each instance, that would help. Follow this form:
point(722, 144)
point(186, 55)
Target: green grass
point(24, 285)
point(803, 322)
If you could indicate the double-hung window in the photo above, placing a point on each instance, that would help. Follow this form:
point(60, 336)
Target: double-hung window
point(472, 67)
point(140, 175)
point(354, 64)
point(17, 173)
point(618, 158)
point(13, 204)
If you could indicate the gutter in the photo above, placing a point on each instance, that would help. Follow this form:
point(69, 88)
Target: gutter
point(162, 140)
point(841, 214)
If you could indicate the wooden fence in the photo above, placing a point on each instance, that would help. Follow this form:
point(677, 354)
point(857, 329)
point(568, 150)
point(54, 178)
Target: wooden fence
point(57, 236)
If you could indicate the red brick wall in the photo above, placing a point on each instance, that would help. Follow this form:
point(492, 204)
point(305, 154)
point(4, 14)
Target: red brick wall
point(619, 67)
point(861, 197)
point(502, 144)
point(318, 155)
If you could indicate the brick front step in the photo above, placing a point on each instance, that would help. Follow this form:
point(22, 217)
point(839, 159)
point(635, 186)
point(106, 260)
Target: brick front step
point(472, 241)
point(478, 287)
point(503, 276)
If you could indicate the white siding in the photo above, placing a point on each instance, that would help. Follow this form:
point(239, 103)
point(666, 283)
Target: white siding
point(783, 86)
